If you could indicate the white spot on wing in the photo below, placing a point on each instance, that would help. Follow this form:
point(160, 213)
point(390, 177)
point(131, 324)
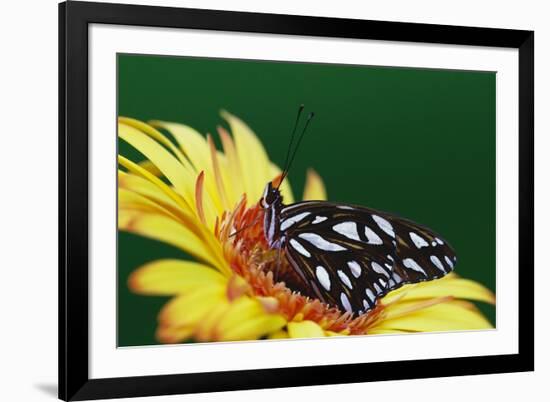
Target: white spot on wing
point(344, 278)
point(344, 207)
point(439, 241)
point(379, 269)
point(345, 302)
point(377, 288)
point(370, 295)
point(292, 220)
point(382, 282)
point(418, 241)
point(434, 243)
point(299, 248)
point(355, 268)
point(437, 262)
point(319, 219)
point(348, 229)
point(321, 243)
point(384, 225)
point(372, 237)
point(411, 264)
point(366, 305)
point(449, 262)
point(322, 277)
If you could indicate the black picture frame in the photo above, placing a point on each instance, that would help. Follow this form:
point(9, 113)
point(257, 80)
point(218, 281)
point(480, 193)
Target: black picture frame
point(74, 19)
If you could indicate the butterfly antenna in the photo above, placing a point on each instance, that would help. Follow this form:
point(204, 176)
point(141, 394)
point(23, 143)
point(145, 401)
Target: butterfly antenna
point(285, 166)
point(285, 173)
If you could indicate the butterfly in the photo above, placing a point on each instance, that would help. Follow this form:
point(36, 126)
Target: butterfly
point(350, 256)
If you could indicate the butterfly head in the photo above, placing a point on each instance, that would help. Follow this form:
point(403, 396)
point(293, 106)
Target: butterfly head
point(271, 196)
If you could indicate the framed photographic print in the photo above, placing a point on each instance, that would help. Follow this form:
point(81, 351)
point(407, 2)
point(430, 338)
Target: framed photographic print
point(256, 200)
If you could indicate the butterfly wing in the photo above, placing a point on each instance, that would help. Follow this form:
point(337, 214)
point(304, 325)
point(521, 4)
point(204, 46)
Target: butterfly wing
point(350, 256)
point(422, 255)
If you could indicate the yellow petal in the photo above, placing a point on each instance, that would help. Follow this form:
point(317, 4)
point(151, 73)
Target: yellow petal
point(252, 157)
point(247, 319)
point(242, 309)
point(190, 141)
point(141, 191)
point(157, 136)
point(196, 149)
point(232, 174)
point(163, 187)
point(205, 330)
point(254, 328)
point(448, 316)
point(204, 204)
point(447, 286)
point(168, 334)
point(168, 277)
point(148, 165)
point(403, 308)
point(305, 329)
point(190, 308)
point(171, 168)
point(332, 333)
point(130, 200)
point(381, 331)
point(281, 334)
point(145, 188)
point(218, 176)
point(167, 230)
point(314, 188)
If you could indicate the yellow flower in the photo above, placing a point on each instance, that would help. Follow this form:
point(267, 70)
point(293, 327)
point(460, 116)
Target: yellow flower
point(196, 198)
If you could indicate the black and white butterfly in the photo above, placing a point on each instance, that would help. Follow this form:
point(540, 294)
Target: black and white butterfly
point(350, 256)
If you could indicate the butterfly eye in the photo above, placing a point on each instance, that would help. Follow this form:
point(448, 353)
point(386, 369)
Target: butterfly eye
point(270, 195)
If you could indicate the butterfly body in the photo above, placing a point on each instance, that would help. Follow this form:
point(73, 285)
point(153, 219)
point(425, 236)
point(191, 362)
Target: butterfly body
point(350, 256)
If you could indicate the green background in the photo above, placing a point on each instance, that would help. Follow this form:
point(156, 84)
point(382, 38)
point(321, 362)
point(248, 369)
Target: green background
point(416, 142)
